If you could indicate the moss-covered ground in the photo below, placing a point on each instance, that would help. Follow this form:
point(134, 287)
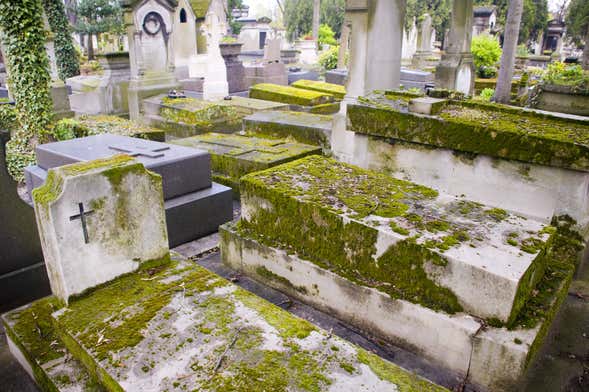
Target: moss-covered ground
point(478, 128)
point(180, 327)
point(338, 91)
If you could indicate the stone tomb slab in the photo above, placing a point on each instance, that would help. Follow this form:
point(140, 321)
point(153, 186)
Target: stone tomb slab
point(184, 328)
point(33, 341)
point(303, 127)
point(99, 220)
point(233, 156)
point(183, 170)
point(195, 206)
point(441, 252)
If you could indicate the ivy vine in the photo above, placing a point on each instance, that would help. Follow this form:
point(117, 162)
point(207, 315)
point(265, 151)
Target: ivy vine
point(23, 37)
point(66, 57)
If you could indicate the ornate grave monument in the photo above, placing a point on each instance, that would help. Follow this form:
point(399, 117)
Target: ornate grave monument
point(149, 28)
point(195, 206)
point(215, 86)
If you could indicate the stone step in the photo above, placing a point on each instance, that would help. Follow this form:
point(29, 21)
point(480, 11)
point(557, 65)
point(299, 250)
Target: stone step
point(303, 127)
point(490, 357)
point(445, 253)
point(181, 327)
point(233, 156)
point(33, 341)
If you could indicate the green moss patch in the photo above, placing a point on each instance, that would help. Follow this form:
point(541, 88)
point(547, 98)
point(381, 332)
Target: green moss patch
point(341, 211)
point(95, 125)
point(32, 330)
point(201, 115)
point(233, 156)
point(480, 129)
point(338, 91)
point(212, 335)
point(289, 95)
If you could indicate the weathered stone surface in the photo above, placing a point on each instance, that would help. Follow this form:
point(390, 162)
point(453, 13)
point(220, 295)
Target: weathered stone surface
point(183, 170)
point(494, 358)
point(426, 105)
point(444, 339)
point(22, 271)
point(94, 224)
point(494, 130)
point(334, 89)
point(442, 252)
point(33, 341)
point(289, 95)
point(303, 127)
point(233, 156)
point(182, 327)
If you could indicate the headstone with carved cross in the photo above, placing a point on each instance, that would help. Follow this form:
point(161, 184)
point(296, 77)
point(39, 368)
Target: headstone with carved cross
point(195, 206)
point(98, 220)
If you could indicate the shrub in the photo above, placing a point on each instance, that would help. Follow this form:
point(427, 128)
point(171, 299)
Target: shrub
point(485, 50)
point(522, 51)
point(328, 59)
point(326, 35)
point(486, 94)
point(487, 72)
point(565, 74)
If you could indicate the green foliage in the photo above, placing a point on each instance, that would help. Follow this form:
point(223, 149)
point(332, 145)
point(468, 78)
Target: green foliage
point(439, 10)
point(23, 36)
point(486, 94)
point(486, 51)
point(534, 16)
point(578, 20)
point(298, 16)
point(99, 16)
point(566, 75)
point(328, 59)
point(522, 51)
point(65, 54)
point(66, 129)
point(326, 35)
point(487, 72)
point(8, 117)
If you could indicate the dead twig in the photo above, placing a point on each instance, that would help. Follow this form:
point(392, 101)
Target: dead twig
point(229, 346)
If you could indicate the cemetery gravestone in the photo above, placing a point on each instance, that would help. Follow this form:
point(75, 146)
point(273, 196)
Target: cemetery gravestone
point(424, 50)
point(215, 86)
point(195, 206)
point(22, 271)
point(99, 220)
point(149, 29)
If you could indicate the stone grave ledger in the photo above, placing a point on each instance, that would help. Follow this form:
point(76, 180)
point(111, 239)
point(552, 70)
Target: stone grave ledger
point(195, 206)
point(94, 224)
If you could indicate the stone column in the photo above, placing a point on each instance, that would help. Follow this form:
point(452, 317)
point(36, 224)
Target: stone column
point(424, 44)
point(343, 46)
point(456, 69)
point(215, 86)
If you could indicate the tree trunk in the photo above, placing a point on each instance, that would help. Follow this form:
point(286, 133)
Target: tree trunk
point(316, 16)
point(90, 47)
point(512, 22)
point(585, 63)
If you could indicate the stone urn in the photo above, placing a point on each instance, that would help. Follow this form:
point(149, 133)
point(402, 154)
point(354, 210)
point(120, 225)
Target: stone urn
point(230, 49)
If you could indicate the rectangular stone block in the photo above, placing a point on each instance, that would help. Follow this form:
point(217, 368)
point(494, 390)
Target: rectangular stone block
point(427, 105)
point(233, 156)
point(303, 127)
point(336, 90)
point(98, 220)
point(183, 170)
point(289, 95)
point(444, 253)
